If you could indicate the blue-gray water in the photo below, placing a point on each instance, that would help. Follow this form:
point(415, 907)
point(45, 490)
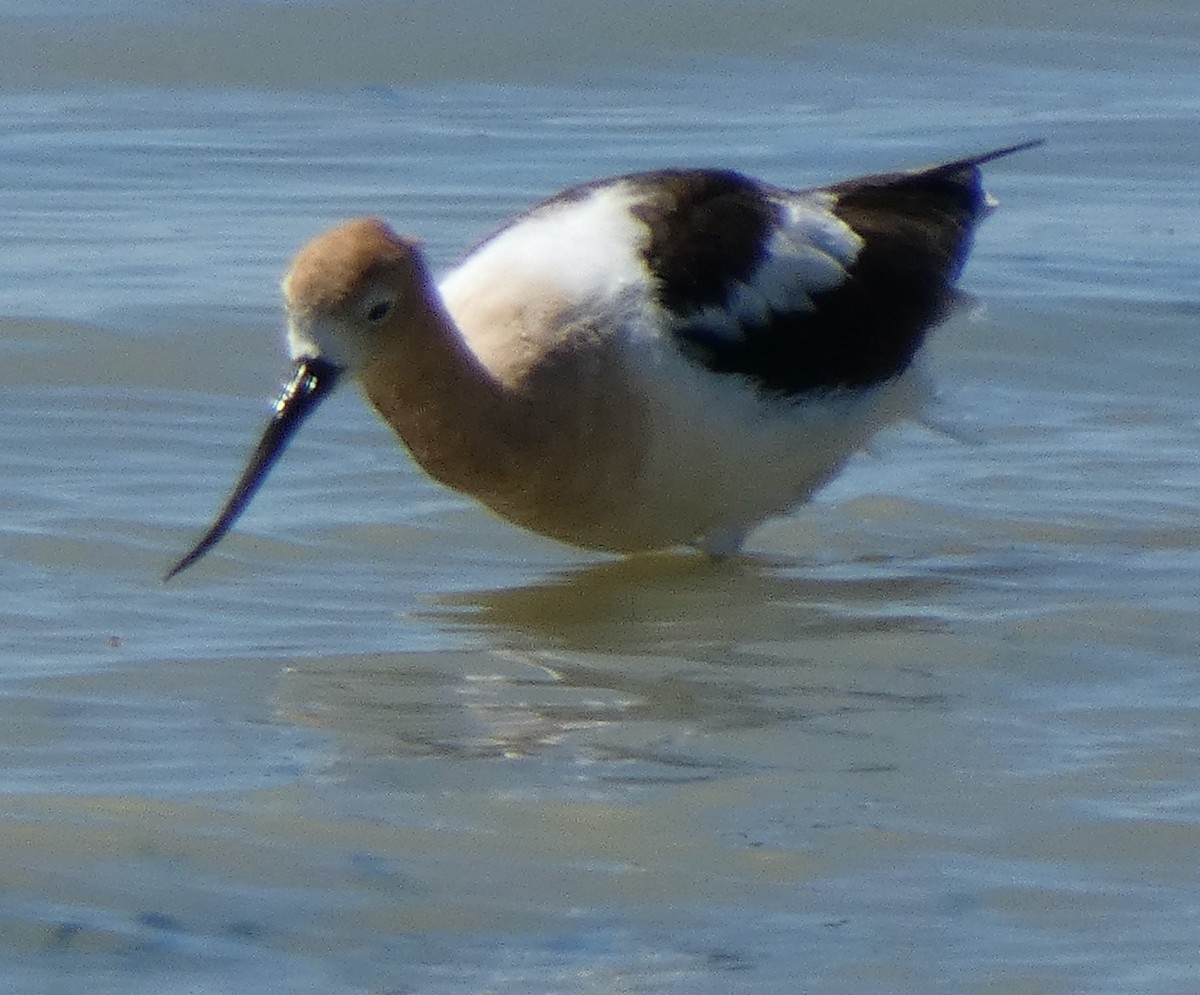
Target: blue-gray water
point(937, 732)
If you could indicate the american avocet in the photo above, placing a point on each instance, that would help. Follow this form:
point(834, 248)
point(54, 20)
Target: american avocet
point(653, 360)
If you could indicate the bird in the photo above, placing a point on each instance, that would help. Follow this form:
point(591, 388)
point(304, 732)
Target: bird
point(655, 360)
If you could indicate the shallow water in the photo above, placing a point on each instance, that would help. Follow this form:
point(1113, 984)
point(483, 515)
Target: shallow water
point(935, 732)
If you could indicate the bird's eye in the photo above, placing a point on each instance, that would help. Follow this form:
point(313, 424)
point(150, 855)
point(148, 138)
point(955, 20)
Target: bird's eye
point(379, 311)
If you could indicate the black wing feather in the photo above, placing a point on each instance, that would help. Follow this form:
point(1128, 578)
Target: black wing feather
point(916, 230)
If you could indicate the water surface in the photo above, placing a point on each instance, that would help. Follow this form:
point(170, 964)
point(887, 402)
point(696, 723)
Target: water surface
point(935, 732)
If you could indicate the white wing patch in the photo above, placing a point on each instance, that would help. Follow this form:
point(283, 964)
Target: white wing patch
point(809, 252)
point(587, 249)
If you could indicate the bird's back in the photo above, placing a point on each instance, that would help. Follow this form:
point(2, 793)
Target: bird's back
point(831, 287)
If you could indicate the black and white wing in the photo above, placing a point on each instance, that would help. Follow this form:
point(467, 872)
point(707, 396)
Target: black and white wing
point(829, 288)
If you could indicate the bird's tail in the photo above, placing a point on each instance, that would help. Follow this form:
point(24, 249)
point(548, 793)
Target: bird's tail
point(975, 161)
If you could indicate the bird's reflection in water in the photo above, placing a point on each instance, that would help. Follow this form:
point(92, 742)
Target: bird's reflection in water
point(692, 605)
point(632, 667)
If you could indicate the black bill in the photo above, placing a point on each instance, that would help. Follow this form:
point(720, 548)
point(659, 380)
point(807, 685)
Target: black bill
point(310, 382)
